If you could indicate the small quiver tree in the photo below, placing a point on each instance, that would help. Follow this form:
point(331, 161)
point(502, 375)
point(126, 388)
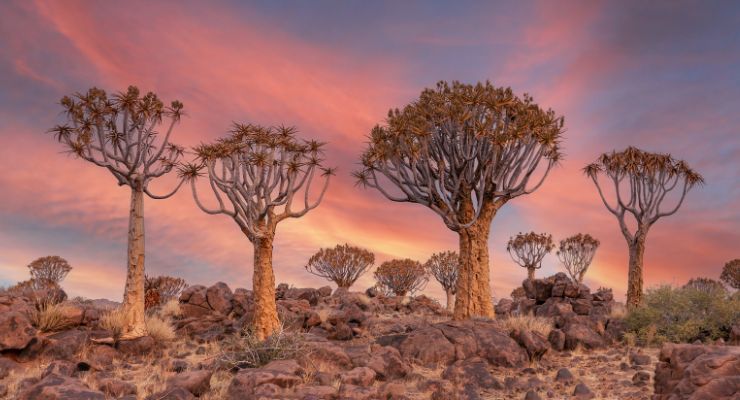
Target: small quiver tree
point(528, 250)
point(49, 269)
point(121, 134)
point(464, 151)
point(443, 267)
point(641, 182)
point(705, 285)
point(343, 264)
point(731, 274)
point(261, 173)
point(401, 277)
point(161, 289)
point(576, 254)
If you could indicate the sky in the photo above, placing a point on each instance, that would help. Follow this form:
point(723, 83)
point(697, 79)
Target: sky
point(663, 76)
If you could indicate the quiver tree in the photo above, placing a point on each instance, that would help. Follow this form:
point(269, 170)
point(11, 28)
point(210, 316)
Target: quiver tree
point(122, 133)
point(528, 250)
point(444, 268)
point(160, 289)
point(257, 175)
point(731, 274)
point(576, 254)
point(464, 151)
point(51, 269)
point(401, 277)
point(343, 264)
point(705, 285)
point(641, 182)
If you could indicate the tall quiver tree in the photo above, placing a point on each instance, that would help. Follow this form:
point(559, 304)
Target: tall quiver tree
point(464, 151)
point(262, 172)
point(576, 254)
point(444, 268)
point(641, 182)
point(122, 134)
point(528, 250)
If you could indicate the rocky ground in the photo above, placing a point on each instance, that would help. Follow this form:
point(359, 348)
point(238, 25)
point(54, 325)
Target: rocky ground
point(347, 345)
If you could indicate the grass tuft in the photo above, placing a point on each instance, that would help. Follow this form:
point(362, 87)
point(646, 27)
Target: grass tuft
point(528, 323)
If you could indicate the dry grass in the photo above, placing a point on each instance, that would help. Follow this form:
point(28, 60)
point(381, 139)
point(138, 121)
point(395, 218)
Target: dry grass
point(246, 351)
point(14, 378)
point(220, 381)
point(50, 317)
point(112, 321)
point(171, 309)
point(160, 329)
point(541, 325)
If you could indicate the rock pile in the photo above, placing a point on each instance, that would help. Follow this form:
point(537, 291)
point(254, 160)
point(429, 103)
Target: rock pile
point(697, 372)
point(581, 318)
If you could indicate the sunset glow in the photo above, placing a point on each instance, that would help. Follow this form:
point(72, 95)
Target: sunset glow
point(619, 74)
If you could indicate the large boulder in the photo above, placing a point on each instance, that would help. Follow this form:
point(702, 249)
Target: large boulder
point(195, 382)
point(581, 334)
point(387, 363)
point(497, 347)
point(16, 331)
point(688, 371)
point(219, 298)
point(57, 387)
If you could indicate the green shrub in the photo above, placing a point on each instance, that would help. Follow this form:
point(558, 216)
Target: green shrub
point(683, 315)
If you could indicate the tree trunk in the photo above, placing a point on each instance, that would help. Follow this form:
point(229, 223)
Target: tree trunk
point(265, 320)
point(473, 294)
point(634, 282)
point(530, 273)
point(450, 299)
point(133, 298)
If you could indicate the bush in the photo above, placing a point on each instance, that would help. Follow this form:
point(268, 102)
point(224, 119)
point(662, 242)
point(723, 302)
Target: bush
point(683, 315)
point(159, 328)
point(244, 350)
point(51, 317)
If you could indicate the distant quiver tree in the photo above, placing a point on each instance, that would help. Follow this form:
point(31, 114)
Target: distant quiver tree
point(528, 250)
point(576, 254)
point(343, 264)
point(401, 277)
point(444, 268)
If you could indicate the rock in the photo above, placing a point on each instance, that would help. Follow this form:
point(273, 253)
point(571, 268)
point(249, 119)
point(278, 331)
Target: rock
point(307, 392)
point(219, 298)
point(542, 290)
point(581, 334)
point(242, 302)
point(16, 331)
point(176, 393)
point(330, 356)
point(7, 366)
point(504, 307)
point(581, 306)
point(498, 348)
point(735, 334)
point(116, 388)
point(65, 345)
point(532, 395)
point(639, 359)
point(325, 291)
point(342, 331)
point(372, 292)
point(641, 378)
point(360, 376)
point(583, 392)
point(176, 365)
point(74, 314)
point(697, 372)
point(554, 307)
point(352, 392)
point(615, 329)
point(57, 387)
point(247, 382)
point(557, 339)
point(387, 363)
point(136, 347)
point(195, 295)
point(100, 357)
point(290, 367)
point(473, 371)
point(194, 311)
point(61, 368)
point(535, 344)
point(196, 382)
point(564, 375)
point(428, 346)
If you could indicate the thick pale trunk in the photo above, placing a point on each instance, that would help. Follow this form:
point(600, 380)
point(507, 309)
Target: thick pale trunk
point(133, 298)
point(473, 294)
point(530, 273)
point(634, 282)
point(450, 299)
point(265, 320)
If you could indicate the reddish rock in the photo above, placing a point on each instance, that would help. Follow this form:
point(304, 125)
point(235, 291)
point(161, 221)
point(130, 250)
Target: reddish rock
point(360, 376)
point(116, 388)
point(697, 372)
point(57, 387)
point(534, 343)
point(471, 371)
point(138, 346)
point(176, 393)
point(195, 382)
point(219, 298)
point(581, 334)
point(387, 363)
point(16, 331)
point(557, 339)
